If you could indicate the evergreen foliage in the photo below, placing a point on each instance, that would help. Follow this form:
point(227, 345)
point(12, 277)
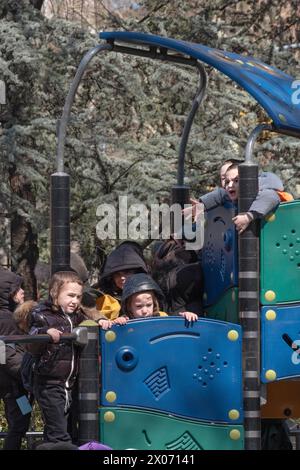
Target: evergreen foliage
point(129, 112)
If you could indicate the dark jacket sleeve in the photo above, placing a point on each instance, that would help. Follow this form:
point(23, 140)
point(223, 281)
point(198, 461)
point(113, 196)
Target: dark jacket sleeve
point(215, 198)
point(39, 326)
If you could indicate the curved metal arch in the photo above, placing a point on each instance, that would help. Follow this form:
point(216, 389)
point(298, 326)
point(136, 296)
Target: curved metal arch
point(62, 130)
point(188, 123)
point(272, 89)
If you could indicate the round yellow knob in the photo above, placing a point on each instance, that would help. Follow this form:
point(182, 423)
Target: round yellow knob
point(233, 414)
point(270, 218)
point(282, 117)
point(110, 336)
point(270, 375)
point(270, 295)
point(111, 396)
point(109, 416)
point(232, 335)
point(235, 434)
point(270, 315)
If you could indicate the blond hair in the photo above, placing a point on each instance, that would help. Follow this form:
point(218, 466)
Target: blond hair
point(58, 280)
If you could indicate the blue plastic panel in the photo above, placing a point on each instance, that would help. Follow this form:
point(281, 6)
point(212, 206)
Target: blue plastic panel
point(219, 253)
point(281, 341)
point(271, 87)
point(164, 365)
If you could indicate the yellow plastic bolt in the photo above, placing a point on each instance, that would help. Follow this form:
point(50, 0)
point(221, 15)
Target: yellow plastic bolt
point(235, 434)
point(282, 117)
point(233, 414)
point(270, 375)
point(232, 335)
point(111, 396)
point(271, 315)
point(110, 336)
point(109, 416)
point(270, 218)
point(270, 295)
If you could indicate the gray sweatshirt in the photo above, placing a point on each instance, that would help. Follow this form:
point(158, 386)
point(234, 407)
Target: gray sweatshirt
point(266, 200)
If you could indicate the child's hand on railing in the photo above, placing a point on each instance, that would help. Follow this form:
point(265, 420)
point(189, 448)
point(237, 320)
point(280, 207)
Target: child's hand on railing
point(55, 334)
point(121, 321)
point(105, 324)
point(189, 316)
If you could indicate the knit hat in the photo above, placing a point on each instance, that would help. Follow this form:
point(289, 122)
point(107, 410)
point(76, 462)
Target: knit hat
point(139, 283)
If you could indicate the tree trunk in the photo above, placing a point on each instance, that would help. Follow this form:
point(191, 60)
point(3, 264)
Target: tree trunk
point(37, 4)
point(24, 249)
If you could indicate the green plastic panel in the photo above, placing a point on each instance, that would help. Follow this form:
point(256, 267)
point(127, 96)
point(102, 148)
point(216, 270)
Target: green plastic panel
point(131, 429)
point(227, 308)
point(280, 255)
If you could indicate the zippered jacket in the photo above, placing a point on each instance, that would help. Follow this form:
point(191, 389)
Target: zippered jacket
point(58, 362)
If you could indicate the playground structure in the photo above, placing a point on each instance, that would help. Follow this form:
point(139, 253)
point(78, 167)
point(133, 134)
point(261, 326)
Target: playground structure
point(168, 386)
point(240, 286)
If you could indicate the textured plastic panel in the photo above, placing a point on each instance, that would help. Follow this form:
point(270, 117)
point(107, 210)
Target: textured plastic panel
point(163, 364)
point(280, 342)
point(219, 254)
point(227, 308)
point(280, 255)
point(130, 429)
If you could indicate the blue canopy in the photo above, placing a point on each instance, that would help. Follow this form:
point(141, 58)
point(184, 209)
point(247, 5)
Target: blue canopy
point(271, 87)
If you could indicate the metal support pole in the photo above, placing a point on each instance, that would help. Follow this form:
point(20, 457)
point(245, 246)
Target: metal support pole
point(60, 222)
point(60, 184)
point(249, 306)
point(252, 139)
point(78, 336)
point(180, 192)
point(188, 124)
point(69, 101)
point(89, 386)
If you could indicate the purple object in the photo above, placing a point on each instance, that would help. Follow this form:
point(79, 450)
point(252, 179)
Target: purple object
point(94, 445)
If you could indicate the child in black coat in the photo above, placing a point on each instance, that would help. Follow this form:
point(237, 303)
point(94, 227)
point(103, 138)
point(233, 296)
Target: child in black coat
point(57, 365)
